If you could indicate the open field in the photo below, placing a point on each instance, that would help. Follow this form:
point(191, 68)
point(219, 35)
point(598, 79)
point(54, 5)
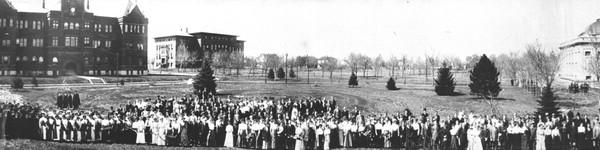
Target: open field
point(371, 96)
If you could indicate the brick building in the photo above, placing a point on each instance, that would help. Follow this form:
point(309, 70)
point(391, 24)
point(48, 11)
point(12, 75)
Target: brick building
point(72, 40)
point(189, 50)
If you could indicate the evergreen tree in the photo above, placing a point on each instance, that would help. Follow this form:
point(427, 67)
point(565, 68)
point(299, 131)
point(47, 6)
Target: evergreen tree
point(204, 82)
point(547, 102)
point(353, 82)
point(271, 74)
point(280, 73)
point(292, 73)
point(391, 84)
point(445, 81)
point(34, 81)
point(484, 79)
point(17, 83)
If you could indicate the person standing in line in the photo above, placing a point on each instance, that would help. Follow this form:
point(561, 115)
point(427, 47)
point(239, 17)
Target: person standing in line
point(299, 137)
point(42, 124)
point(139, 127)
point(540, 141)
point(326, 137)
point(229, 136)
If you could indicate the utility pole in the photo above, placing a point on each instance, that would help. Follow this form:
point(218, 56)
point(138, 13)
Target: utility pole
point(308, 68)
point(286, 68)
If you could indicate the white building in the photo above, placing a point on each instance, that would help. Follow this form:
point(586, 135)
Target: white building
point(577, 53)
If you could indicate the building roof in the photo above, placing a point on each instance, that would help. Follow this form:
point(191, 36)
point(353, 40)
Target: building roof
point(592, 30)
point(590, 35)
point(6, 4)
point(133, 9)
point(219, 34)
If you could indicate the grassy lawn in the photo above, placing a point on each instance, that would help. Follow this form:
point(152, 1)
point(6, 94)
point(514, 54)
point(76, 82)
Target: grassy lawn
point(371, 96)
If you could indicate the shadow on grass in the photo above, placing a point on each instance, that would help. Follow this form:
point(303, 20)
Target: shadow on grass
point(496, 99)
point(577, 105)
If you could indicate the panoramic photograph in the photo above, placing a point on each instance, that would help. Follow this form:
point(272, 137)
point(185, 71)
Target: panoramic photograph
point(300, 74)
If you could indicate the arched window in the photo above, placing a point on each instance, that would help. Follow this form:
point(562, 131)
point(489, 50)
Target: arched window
point(54, 60)
point(18, 59)
point(41, 59)
point(86, 60)
point(97, 59)
point(25, 58)
point(66, 26)
point(34, 59)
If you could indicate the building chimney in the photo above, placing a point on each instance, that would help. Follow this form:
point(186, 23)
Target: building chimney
point(44, 4)
point(88, 4)
point(186, 30)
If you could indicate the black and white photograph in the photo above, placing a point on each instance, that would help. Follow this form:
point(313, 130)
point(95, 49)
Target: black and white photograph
point(300, 74)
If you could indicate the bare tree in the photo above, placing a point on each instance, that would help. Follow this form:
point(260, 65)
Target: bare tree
point(593, 66)
point(251, 63)
point(352, 61)
point(329, 64)
point(393, 63)
point(365, 62)
point(405, 65)
point(511, 65)
point(378, 64)
point(544, 64)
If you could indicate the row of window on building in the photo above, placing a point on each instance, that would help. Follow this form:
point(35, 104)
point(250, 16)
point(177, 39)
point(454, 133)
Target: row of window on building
point(70, 41)
point(134, 28)
point(34, 59)
point(216, 47)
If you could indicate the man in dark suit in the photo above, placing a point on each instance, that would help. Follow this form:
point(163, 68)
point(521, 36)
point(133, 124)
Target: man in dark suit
point(69, 101)
point(76, 101)
point(59, 100)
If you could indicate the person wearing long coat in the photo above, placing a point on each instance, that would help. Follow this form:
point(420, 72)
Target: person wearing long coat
point(454, 137)
point(184, 134)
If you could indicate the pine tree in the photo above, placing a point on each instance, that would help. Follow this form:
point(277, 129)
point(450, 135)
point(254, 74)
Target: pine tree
point(547, 102)
point(34, 81)
point(271, 74)
point(280, 73)
point(292, 73)
point(17, 83)
point(445, 81)
point(391, 84)
point(353, 82)
point(204, 82)
point(484, 79)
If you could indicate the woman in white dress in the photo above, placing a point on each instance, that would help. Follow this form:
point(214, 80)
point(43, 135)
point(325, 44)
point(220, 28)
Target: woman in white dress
point(139, 127)
point(474, 138)
point(540, 137)
point(229, 136)
point(327, 133)
point(299, 137)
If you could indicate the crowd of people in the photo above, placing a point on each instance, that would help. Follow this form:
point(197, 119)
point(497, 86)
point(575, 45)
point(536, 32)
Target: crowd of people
point(299, 123)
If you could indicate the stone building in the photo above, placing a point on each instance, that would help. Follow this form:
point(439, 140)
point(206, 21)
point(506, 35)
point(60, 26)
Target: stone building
point(71, 41)
point(190, 50)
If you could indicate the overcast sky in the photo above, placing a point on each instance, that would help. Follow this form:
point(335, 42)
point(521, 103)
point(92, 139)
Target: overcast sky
point(387, 27)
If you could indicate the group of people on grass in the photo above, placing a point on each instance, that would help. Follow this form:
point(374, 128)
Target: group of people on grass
point(298, 123)
point(68, 100)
